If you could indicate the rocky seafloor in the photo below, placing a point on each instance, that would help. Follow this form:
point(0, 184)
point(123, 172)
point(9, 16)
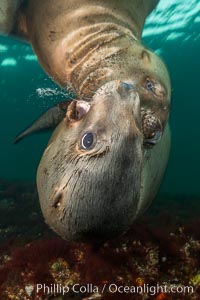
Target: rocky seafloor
point(158, 258)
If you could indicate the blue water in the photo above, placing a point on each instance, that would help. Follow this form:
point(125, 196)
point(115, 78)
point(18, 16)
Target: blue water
point(173, 31)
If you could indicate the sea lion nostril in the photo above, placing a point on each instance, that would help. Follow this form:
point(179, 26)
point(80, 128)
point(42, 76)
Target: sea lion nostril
point(127, 86)
point(124, 88)
point(57, 200)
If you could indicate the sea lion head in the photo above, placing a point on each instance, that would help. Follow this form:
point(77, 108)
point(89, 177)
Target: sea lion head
point(148, 73)
point(89, 176)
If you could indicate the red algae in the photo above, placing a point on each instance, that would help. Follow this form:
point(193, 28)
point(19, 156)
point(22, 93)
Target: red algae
point(161, 249)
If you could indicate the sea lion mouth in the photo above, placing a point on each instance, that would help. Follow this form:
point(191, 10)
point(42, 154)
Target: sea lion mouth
point(77, 110)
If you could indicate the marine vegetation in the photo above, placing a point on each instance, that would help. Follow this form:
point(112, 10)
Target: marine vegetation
point(163, 248)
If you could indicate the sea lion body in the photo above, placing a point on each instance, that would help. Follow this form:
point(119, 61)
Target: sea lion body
point(8, 15)
point(94, 47)
point(87, 43)
point(82, 42)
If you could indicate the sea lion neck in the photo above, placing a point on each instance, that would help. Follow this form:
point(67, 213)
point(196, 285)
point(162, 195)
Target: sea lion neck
point(77, 42)
point(96, 62)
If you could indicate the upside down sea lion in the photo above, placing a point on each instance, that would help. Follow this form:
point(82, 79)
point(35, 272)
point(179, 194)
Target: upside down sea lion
point(105, 160)
point(96, 177)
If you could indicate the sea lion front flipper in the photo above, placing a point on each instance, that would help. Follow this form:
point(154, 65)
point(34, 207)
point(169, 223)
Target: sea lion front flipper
point(49, 119)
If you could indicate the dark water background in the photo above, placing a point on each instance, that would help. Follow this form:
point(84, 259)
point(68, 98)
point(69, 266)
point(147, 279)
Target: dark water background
point(173, 31)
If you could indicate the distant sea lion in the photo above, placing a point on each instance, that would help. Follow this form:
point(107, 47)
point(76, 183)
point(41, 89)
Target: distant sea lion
point(105, 161)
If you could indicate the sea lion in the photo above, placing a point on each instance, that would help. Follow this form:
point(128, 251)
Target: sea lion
point(123, 92)
point(96, 175)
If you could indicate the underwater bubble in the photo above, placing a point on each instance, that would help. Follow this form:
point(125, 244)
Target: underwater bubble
point(45, 92)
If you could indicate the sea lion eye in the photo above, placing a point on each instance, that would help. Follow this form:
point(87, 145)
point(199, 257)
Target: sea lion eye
point(149, 85)
point(155, 87)
point(87, 141)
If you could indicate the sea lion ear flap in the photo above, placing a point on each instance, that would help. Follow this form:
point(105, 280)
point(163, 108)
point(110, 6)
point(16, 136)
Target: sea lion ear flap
point(77, 110)
point(146, 57)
